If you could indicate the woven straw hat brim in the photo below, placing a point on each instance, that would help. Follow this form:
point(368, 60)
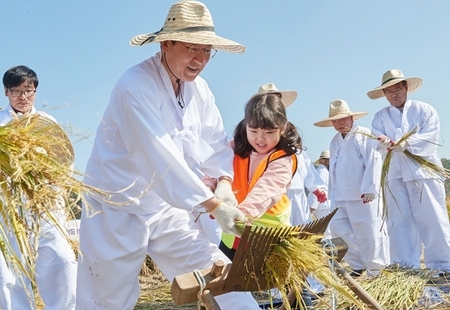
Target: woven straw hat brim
point(200, 37)
point(327, 122)
point(287, 96)
point(62, 150)
point(414, 84)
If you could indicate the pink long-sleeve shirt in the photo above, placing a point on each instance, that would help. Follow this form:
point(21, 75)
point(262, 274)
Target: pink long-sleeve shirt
point(269, 188)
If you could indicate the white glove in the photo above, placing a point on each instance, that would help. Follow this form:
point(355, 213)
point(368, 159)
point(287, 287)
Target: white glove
point(367, 197)
point(398, 147)
point(384, 141)
point(227, 216)
point(225, 193)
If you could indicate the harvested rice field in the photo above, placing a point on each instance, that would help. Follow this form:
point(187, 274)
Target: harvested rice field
point(155, 293)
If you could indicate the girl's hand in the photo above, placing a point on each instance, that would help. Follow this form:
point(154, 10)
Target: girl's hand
point(225, 193)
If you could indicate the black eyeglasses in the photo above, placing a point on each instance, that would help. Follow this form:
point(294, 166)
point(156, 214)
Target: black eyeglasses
point(18, 93)
point(195, 51)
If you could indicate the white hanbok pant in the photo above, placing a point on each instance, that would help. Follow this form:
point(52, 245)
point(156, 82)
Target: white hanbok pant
point(360, 226)
point(114, 245)
point(56, 273)
point(417, 214)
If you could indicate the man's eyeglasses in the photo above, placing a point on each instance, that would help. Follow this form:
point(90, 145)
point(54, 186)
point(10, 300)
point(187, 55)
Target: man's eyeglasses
point(18, 93)
point(393, 91)
point(195, 51)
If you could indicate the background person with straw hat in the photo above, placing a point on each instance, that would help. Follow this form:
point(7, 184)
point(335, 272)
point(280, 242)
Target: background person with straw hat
point(324, 159)
point(355, 170)
point(415, 198)
point(55, 264)
point(307, 178)
point(159, 134)
point(322, 208)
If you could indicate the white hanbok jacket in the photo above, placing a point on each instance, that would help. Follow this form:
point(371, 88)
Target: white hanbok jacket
point(153, 148)
point(355, 165)
point(392, 123)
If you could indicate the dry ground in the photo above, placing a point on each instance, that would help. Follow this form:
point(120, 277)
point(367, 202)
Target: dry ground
point(155, 291)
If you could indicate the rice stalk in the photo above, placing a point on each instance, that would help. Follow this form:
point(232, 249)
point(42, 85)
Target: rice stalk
point(432, 169)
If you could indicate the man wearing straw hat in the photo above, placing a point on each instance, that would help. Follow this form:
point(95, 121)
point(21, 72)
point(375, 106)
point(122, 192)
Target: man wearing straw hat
point(159, 134)
point(355, 169)
point(56, 265)
point(415, 197)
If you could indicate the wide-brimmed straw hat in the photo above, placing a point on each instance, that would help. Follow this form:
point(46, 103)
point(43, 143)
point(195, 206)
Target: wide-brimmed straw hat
point(339, 109)
point(393, 77)
point(191, 22)
point(325, 154)
point(287, 96)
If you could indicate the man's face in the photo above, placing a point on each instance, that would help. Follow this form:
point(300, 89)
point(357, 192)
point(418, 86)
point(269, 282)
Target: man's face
point(325, 162)
point(21, 98)
point(186, 60)
point(396, 94)
point(343, 125)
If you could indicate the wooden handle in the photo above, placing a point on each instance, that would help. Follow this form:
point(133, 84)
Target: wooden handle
point(209, 300)
point(357, 289)
point(217, 268)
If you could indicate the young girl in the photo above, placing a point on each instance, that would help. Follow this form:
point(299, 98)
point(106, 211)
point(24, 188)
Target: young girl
point(265, 147)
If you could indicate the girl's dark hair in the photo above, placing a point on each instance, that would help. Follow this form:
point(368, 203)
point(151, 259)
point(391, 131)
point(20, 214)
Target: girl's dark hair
point(19, 74)
point(266, 111)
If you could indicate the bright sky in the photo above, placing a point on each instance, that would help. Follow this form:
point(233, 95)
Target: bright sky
point(324, 50)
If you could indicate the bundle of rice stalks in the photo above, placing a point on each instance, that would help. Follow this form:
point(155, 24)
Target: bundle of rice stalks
point(293, 258)
point(36, 184)
point(432, 169)
point(395, 288)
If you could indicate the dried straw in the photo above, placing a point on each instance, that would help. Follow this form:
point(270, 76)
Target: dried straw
point(395, 288)
point(36, 182)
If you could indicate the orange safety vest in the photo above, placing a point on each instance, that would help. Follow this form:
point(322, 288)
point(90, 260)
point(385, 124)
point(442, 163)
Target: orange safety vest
point(241, 187)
